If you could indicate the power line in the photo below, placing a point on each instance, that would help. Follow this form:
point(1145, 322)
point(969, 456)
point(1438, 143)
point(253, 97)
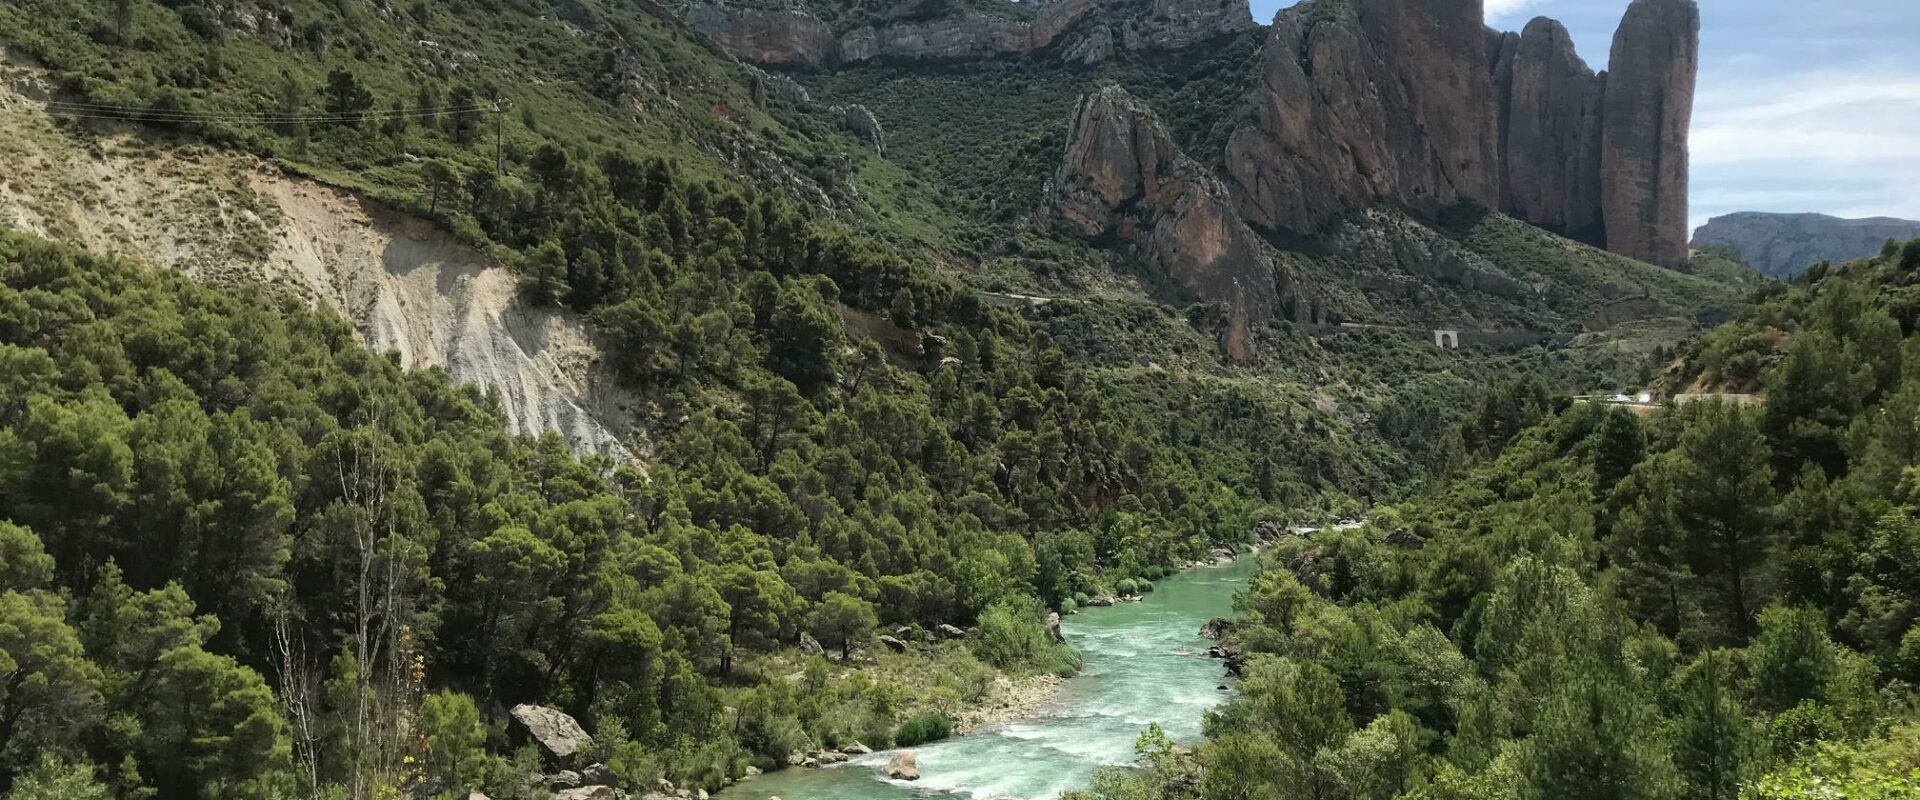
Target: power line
point(137, 113)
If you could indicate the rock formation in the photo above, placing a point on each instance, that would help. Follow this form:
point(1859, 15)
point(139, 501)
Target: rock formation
point(1363, 102)
point(788, 37)
point(555, 730)
point(1416, 104)
point(404, 283)
point(1784, 245)
point(863, 122)
point(1123, 179)
point(1646, 114)
point(1551, 134)
point(903, 766)
point(1087, 31)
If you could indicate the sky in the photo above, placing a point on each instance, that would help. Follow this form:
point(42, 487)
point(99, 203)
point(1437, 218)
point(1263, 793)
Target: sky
point(1800, 106)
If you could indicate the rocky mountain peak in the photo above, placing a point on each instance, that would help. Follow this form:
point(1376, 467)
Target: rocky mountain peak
point(1784, 245)
point(1646, 113)
point(1123, 179)
point(1418, 105)
point(1550, 133)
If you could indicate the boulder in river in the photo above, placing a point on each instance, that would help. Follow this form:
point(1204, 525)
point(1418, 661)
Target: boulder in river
point(1216, 628)
point(554, 729)
point(1103, 601)
point(856, 749)
point(831, 757)
point(903, 766)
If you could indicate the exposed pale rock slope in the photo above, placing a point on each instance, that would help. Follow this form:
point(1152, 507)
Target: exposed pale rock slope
point(226, 219)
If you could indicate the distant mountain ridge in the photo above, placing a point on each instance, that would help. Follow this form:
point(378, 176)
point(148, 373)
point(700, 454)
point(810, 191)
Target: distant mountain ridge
point(1784, 245)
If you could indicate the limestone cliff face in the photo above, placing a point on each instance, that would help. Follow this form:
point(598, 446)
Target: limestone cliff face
point(1415, 103)
point(1646, 112)
point(1124, 180)
point(1086, 31)
point(1784, 245)
point(1437, 50)
point(782, 37)
point(1362, 102)
point(1551, 143)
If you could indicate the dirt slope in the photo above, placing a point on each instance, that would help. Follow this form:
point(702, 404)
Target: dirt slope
point(224, 219)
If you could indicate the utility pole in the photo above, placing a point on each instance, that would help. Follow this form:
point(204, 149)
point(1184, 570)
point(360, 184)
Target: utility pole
point(499, 125)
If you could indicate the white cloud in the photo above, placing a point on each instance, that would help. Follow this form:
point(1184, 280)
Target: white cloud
point(1844, 142)
point(1497, 9)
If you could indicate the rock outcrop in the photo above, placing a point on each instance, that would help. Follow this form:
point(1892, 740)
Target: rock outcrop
point(406, 285)
point(863, 122)
point(555, 730)
point(1362, 102)
point(1216, 628)
point(1084, 31)
point(1414, 103)
point(1124, 180)
point(1646, 114)
point(1784, 245)
point(903, 766)
point(1550, 132)
point(781, 37)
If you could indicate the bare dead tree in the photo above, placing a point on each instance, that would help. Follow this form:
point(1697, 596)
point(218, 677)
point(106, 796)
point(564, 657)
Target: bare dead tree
point(298, 679)
point(367, 478)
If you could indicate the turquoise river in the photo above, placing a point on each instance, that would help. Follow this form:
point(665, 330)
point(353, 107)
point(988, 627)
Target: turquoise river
point(1145, 662)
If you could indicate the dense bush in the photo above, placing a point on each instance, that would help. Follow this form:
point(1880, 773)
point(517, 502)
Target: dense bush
point(922, 728)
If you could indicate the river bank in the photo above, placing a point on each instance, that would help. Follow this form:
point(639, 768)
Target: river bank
point(1145, 663)
point(1012, 700)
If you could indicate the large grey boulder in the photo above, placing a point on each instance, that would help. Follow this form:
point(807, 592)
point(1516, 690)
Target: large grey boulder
point(903, 766)
point(554, 729)
point(863, 122)
point(598, 775)
point(810, 646)
point(588, 793)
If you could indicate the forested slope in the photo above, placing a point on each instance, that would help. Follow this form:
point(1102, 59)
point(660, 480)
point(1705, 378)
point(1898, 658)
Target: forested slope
point(244, 553)
point(247, 557)
point(1713, 601)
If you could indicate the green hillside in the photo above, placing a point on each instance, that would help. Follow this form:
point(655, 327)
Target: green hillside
point(242, 556)
point(1714, 600)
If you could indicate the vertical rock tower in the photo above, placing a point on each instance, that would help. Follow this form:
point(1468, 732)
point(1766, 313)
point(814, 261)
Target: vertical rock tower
point(1415, 103)
point(1647, 110)
point(1550, 141)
